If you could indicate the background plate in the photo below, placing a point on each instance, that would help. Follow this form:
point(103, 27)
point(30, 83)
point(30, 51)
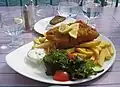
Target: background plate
point(43, 25)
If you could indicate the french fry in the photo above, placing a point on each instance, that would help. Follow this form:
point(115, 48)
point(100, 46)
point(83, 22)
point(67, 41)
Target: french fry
point(110, 48)
point(108, 55)
point(39, 40)
point(92, 57)
point(104, 44)
point(81, 55)
point(93, 43)
point(96, 52)
point(35, 46)
point(85, 51)
point(36, 41)
point(107, 44)
point(70, 50)
point(101, 58)
point(42, 45)
point(99, 48)
point(42, 39)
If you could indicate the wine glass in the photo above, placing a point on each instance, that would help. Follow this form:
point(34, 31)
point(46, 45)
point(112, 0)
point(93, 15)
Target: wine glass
point(68, 8)
point(91, 10)
point(13, 27)
point(2, 46)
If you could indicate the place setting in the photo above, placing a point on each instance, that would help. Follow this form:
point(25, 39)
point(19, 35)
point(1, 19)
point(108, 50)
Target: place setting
point(68, 48)
point(70, 51)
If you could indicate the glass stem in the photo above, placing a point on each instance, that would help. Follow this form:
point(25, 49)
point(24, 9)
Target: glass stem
point(14, 38)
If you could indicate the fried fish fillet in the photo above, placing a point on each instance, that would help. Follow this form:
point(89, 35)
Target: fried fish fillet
point(85, 34)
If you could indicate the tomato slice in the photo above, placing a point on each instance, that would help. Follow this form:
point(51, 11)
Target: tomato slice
point(61, 76)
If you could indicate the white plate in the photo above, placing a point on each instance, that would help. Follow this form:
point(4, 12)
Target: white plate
point(17, 62)
point(42, 25)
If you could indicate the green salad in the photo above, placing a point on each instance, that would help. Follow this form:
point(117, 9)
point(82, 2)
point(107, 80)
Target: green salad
point(58, 63)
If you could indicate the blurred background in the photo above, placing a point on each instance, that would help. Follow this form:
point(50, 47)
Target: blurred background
point(51, 2)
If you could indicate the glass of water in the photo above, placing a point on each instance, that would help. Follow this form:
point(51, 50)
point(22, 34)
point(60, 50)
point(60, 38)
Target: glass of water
point(44, 10)
point(91, 9)
point(68, 8)
point(13, 27)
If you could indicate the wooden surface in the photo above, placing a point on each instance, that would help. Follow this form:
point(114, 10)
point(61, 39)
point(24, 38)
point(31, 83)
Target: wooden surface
point(108, 24)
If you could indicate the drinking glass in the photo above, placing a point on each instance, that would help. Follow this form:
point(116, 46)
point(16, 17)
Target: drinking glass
point(68, 8)
point(44, 10)
point(2, 46)
point(13, 28)
point(91, 9)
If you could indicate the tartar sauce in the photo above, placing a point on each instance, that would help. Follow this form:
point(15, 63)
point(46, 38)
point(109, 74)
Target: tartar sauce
point(36, 54)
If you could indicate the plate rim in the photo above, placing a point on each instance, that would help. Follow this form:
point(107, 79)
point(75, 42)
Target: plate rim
point(39, 21)
point(65, 83)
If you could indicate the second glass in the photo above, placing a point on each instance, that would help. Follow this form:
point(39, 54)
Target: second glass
point(44, 10)
point(13, 27)
point(68, 8)
point(91, 9)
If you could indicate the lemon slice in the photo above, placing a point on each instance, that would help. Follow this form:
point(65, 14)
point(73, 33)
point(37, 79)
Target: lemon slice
point(64, 28)
point(18, 20)
point(75, 27)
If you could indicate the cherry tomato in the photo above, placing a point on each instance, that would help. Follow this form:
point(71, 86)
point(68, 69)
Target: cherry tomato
point(61, 76)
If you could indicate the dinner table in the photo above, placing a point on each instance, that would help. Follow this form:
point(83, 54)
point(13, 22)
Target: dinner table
point(107, 24)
